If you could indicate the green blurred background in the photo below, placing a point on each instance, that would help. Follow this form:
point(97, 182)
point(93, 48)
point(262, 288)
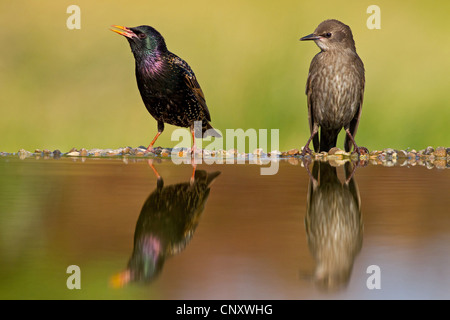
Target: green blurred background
point(64, 88)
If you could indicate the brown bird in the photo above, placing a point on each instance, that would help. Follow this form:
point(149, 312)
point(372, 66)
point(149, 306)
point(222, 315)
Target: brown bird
point(335, 87)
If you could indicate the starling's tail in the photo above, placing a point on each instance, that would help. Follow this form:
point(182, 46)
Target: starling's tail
point(328, 139)
point(208, 131)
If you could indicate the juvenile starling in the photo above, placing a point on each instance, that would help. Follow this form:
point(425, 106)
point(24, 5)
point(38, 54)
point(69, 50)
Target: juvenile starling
point(168, 86)
point(335, 87)
point(165, 226)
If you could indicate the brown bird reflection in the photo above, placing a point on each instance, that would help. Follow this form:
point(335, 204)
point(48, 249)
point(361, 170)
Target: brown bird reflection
point(165, 226)
point(334, 225)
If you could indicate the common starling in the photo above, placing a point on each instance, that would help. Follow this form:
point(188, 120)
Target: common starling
point(168, 86)
point(335, 87)
point(165, 226)
point(333, 224)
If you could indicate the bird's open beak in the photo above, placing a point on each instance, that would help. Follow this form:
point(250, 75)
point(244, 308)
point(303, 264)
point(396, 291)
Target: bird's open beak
point(126, 31)
point(311, 36)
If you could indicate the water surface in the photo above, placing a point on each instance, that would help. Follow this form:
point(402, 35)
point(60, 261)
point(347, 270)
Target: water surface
point(225, 233)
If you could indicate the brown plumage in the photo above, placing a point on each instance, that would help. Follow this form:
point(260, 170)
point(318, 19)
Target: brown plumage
point(334, 88)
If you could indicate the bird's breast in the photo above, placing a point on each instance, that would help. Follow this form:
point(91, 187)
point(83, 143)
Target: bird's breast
point(335, 85)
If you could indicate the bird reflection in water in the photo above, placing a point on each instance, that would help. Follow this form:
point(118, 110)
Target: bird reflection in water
point(333, 224)
point(165, 226)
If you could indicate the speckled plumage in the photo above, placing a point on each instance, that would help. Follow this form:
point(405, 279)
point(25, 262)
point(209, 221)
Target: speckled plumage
point(335, 86)
point(168, 86)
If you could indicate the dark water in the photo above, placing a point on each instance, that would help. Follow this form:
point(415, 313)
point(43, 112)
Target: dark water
point(233, 235)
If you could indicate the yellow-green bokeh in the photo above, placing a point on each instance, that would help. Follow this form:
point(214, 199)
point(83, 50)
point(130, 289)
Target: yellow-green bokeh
point(64, 88)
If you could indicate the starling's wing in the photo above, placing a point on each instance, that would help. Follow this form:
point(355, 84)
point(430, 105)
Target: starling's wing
point(355, 121)
point(192, 83)
point(310, 108)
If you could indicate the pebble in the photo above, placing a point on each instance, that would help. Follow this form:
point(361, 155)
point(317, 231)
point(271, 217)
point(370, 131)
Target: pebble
point(440, 152)
point(333, 150)
point(165, 152)
point(429, 157)
point(258, 152)
point(83, 152)
point(428, 151)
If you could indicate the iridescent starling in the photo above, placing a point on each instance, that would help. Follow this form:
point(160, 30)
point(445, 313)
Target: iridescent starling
point(167, 84)
point(335, 87)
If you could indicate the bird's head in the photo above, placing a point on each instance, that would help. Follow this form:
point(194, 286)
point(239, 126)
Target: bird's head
point(144, 40)
point(332, 35)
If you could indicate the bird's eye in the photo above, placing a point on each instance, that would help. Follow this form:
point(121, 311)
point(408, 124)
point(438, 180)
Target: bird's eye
point(142, 35)
point(328, 34)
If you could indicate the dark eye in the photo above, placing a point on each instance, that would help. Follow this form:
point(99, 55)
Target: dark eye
point(328, 34)
point(142, 35)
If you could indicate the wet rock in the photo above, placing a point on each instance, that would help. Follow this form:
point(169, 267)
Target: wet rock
point(440, 152)
point(333, 150)
point(24, 154)
point(73, 153)
point(56, 154)
point(412, 155)
point(37, 151)
point(95, 152)
point(440, 164)
point(341, 152)
point(258, 152)
point(402, 154)
point(390, 153)
point(293, 152)
point(428, 151)
point(83, 152)
point(165, 153)
point(275, 153)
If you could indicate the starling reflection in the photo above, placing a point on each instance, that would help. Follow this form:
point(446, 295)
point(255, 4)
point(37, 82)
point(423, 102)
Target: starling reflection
point(333, 225)
point(167, 84)
point(165, 226)
point(335, 87)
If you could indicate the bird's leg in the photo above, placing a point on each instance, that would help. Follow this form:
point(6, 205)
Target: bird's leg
point(306, 149)
point(160, 130)
point(150, 147)
point(194, 167)
point(359, 150)
point(194, 147)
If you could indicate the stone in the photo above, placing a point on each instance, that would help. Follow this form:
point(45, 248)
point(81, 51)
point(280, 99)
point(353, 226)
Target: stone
point(333, 150)
point(83, 152)
point(440, 152)
point(428, 151)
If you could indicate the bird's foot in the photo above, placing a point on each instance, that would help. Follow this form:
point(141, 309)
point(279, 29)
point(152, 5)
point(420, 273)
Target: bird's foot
point(150, 149)
point(306, 151)
point(361, 151)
